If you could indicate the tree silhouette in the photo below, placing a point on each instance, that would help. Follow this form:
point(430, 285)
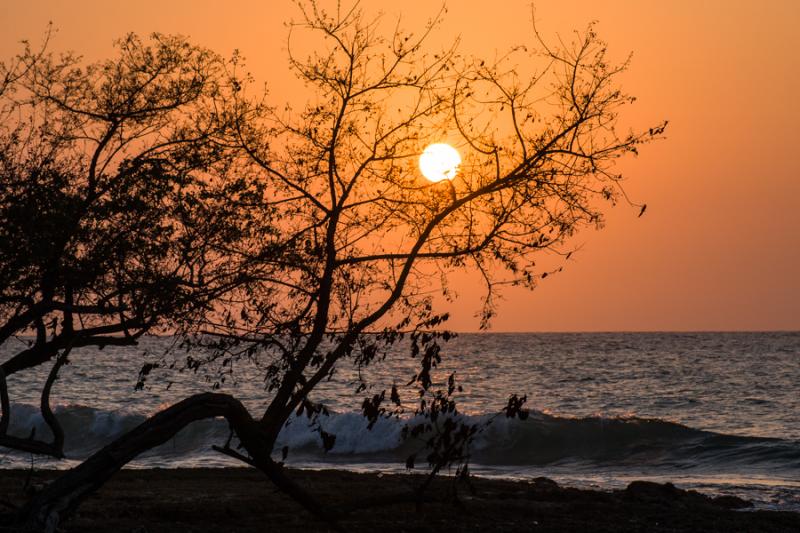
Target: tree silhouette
point(342, 243)
point(115, 200)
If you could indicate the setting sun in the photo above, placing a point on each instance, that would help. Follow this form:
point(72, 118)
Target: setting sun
point(439, 161)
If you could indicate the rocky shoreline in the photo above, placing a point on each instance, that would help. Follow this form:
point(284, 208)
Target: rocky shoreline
point(242, 500)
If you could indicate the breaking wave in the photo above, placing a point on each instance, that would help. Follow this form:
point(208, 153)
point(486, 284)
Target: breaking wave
point(541, 440)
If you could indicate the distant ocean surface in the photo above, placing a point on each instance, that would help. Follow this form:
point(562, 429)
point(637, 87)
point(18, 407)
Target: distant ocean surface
point(717, 412)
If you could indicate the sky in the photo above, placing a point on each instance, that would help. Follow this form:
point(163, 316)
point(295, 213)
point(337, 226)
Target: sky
point(719, 245)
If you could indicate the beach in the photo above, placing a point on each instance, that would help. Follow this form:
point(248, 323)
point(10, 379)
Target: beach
point(243, 500)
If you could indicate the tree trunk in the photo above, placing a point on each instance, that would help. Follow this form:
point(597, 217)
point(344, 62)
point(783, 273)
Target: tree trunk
point(61, 498)
point(55, 502)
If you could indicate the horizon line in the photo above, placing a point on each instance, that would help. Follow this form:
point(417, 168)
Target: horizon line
point(599, 331)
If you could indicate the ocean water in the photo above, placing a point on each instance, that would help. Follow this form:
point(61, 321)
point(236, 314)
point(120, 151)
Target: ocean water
point(717, 412)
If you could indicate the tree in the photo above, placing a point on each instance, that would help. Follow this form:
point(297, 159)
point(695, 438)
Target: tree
point(116, 200)
point(359, 238)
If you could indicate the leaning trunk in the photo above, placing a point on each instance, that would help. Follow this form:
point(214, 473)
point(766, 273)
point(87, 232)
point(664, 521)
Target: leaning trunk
point(55, 502)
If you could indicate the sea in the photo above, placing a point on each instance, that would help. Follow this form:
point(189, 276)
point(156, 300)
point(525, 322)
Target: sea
point(713, 412)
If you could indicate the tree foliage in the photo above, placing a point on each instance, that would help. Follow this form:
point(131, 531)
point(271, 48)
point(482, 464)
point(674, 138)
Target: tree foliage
point(364, 240)
point(117, 198)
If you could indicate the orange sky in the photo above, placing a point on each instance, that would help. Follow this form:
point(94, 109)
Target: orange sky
point(719, 247)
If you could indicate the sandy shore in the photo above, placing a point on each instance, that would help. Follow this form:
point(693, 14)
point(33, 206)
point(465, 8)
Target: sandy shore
point(241, 500)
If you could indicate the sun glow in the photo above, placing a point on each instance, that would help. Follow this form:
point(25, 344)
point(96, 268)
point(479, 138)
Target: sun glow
point(439, 162)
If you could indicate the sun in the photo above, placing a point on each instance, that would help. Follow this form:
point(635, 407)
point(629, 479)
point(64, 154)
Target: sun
point(439, 162)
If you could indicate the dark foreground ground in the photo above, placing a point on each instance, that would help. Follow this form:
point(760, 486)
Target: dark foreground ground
point(241, 500)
